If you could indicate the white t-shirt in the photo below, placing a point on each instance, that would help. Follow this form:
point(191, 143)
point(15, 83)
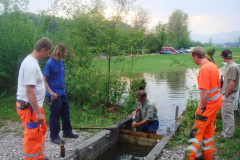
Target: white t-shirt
point(31, 74)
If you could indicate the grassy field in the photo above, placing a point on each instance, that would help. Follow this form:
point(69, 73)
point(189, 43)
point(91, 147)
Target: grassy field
point(161, 63)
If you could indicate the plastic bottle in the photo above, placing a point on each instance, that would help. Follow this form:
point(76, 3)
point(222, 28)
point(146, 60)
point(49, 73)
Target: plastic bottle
point(62, 149)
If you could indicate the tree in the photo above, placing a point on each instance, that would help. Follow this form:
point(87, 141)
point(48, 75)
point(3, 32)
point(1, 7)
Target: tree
point(196, 43)
point(121, 8)
point(210, 41)
point(140, 19)
point(178, 29)
point(16, 40)
point(210, 51)
point(162, 34)
point(13, 5)
point(151, 42)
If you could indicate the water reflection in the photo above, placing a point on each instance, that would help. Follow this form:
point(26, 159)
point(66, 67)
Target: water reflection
point(168, 90)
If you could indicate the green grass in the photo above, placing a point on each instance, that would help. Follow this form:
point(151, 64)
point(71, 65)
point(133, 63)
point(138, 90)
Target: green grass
point(229, 149)
point(81, 116)
point(8, 109)
point(161, 63)
point(225, 149)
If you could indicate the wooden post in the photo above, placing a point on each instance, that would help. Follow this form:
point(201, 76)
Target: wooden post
point(134, 129)
point(176, 113)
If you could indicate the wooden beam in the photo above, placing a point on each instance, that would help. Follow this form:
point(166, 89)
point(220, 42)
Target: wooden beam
point(141, 134)
point(107, 128)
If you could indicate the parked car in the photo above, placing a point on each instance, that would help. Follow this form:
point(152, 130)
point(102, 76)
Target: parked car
point(168, 50)
point(180, 51)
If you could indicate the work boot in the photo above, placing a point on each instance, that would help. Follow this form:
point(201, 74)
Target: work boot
point(57, 141)
point(45, 158)
point(70, 135)
point(198, 158)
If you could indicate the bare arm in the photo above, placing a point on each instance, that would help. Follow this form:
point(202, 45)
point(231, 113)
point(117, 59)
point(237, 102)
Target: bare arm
point(135, 112)
point(32, 99)
point(135, 124)
point(53, 95)
point(204, 99)
point(230, 87)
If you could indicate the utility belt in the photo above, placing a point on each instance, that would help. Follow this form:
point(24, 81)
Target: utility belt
point(23, 104)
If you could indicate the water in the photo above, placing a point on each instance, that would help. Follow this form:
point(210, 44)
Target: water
point(122, 151)
point(168, 90)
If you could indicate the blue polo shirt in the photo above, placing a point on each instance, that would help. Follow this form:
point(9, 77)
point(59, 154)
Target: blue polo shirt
point(54, 70)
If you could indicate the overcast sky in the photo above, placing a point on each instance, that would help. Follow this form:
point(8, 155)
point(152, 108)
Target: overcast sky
point(206, 16)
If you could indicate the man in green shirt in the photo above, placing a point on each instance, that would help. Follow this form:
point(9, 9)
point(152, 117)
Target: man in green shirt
point(148, 109)
point(229, 90)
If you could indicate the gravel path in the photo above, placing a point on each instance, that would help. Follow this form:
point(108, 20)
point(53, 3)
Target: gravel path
point(11, 145)
point(11, 142)
point(174, 153)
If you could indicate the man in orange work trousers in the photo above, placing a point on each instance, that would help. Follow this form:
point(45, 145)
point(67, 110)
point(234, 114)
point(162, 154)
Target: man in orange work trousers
point(30, 97)
point(210, 103)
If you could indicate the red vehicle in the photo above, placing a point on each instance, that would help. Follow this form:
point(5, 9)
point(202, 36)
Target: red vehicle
point(168, 50)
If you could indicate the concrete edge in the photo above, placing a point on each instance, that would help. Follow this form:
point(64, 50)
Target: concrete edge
point(98, 144)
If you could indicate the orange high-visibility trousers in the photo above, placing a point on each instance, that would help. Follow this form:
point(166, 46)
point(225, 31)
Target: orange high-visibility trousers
point(203, 129)
point(34, 135)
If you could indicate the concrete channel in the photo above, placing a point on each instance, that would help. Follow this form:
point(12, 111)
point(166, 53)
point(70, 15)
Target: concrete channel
point(104, 140)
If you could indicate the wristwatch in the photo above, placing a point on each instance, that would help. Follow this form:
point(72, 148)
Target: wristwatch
point(226, 95)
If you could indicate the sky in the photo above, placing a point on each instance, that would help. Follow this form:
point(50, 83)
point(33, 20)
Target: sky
point(205, 16)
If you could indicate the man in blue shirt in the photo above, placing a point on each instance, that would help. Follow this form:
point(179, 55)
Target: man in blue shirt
point(59, 106)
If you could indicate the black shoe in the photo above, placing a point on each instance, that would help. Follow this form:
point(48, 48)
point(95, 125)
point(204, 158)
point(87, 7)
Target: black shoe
point(198, 158)
point(45, 158)
point(57, 141)
point(70, 135)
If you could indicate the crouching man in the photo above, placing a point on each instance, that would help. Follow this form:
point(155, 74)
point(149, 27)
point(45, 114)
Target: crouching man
point(148, 109)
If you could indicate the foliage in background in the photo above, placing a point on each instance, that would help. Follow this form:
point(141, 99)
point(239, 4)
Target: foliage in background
point(17, 39)
point(162, 34)
point(178, 29)
point(210, 51)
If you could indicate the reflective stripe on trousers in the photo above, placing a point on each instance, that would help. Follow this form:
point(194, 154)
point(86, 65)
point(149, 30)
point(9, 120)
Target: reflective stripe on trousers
point(208, 147)
point(34, 135)
point(203, 131)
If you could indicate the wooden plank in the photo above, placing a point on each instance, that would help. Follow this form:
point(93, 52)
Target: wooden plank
point(108, 128)
point(123, 138)
point(141, 134)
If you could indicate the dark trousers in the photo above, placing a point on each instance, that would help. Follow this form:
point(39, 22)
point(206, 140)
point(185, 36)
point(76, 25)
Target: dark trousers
point(59, 109)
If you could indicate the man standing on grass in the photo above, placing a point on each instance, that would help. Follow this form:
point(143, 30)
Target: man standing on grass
point(30, 97)
point(229, 90)
point(210, 103)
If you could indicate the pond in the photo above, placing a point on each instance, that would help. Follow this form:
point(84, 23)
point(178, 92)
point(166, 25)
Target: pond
point(168, 90)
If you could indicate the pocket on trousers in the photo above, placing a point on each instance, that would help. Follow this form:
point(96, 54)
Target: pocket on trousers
point(35, 134)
